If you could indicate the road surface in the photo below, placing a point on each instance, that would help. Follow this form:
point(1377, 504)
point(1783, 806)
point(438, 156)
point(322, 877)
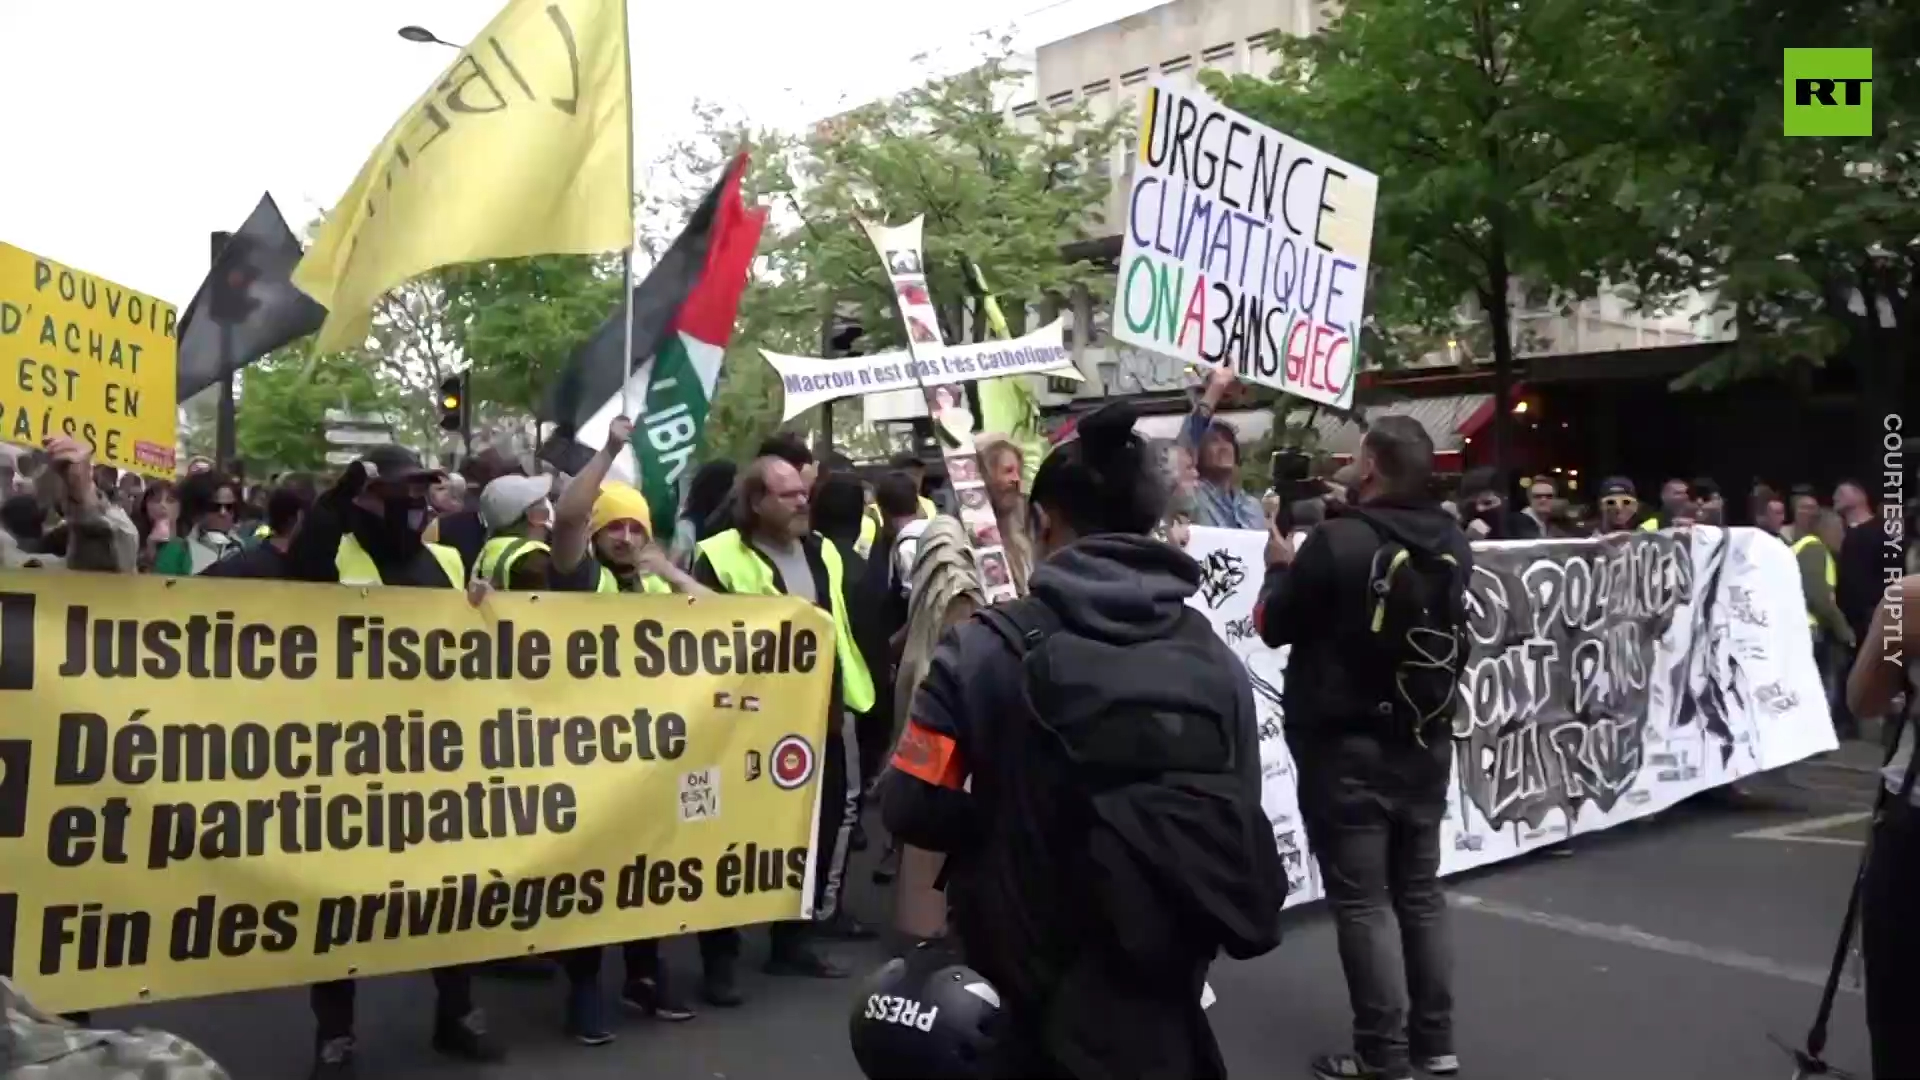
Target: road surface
point(1668, 950)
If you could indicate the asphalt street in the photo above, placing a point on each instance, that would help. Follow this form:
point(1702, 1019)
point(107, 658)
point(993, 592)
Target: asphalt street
point(1666, 950)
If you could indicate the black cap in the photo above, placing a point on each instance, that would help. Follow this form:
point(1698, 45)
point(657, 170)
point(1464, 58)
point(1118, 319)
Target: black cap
point(1617, 485)
point(396, 464)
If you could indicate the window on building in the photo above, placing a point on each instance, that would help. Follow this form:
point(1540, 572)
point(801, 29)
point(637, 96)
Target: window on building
point(1260, 55)
point(1223, 57)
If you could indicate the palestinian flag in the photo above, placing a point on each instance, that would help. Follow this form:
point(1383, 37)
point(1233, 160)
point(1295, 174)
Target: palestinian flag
point(683, 316)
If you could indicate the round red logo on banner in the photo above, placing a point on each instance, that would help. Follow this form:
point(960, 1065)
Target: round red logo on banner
point(791, 762)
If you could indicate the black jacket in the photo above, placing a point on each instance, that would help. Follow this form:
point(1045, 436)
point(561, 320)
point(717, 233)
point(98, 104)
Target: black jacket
point(1043, 932)
point(1857, 571)
point(312, 554)
point(1505, 524)
point(1319, 606)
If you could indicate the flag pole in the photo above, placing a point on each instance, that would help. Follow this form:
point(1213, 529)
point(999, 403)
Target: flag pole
point(626, 257)
point(626, 324)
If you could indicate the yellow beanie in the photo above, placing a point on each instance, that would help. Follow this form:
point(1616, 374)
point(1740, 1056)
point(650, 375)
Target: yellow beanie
point(620, 502)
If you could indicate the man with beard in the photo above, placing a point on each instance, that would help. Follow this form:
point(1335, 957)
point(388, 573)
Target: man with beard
point(772, 551)
point(1003, 468)
point(365, 530)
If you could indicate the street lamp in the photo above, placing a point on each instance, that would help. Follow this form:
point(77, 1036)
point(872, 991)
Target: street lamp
point(423, 36)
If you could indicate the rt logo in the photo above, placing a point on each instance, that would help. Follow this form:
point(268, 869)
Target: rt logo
point(1828, 92)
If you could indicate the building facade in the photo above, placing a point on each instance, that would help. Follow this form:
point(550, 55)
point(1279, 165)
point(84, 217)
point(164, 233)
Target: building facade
point(1109, 67)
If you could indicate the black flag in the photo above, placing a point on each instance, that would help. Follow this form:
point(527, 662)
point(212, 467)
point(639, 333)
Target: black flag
point(250, 294)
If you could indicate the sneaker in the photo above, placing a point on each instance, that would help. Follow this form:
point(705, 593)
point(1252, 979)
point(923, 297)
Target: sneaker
point(719, 988)
point(587, 1015)
point(1440, 1064)
point(333, 1059)
point(650, 997)
point(466, 1038)
point(1352, 1067)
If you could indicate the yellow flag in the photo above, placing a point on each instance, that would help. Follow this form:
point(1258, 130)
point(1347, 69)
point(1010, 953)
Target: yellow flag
point(523, 147)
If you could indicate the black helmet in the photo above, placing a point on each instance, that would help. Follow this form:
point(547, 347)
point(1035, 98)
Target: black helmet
point(924, 1016)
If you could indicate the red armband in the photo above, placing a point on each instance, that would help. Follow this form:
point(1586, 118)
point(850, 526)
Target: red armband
point(930, 756)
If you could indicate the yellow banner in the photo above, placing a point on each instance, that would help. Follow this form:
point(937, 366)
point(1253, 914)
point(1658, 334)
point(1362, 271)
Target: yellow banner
point(84, 357)
point(208, 787)
point(523, 147)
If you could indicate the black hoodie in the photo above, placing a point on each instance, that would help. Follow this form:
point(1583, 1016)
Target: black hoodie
point(1031, 916)
point(1318, 605)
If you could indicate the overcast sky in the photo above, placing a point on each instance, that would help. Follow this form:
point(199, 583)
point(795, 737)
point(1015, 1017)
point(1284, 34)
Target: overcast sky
point(135, 128)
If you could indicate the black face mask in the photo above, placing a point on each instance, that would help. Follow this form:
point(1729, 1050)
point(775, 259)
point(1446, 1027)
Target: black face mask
point(394, 532)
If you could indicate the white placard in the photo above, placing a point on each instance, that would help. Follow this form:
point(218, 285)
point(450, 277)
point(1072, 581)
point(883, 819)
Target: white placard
point(809, 380)
point(1244, 246)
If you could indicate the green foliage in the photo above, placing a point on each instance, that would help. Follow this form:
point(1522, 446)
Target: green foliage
point(1800, 237)
point(1495, 129)
point(1006, 194)
point(280, 414)
point(517, 321)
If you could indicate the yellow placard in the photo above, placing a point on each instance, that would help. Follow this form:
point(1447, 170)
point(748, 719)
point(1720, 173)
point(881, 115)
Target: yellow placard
point(209, 787)
point(84, 357)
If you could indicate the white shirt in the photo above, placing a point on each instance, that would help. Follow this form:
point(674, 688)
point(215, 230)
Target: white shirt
point(905, 546)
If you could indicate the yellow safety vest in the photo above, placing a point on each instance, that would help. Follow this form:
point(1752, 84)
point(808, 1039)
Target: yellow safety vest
point(498, 556)
point(649, 583)
point(870, 524)
point(745, 572)
point(356, 567)
point(1833, 571)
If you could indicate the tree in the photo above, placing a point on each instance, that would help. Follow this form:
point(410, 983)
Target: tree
point(1007, 194)
point(517, 321)
point(280, 422)
point(1498, 132)
point(1812, 244)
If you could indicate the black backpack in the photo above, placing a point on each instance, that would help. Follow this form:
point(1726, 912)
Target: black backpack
point(1174, 850)
point(1416, 629)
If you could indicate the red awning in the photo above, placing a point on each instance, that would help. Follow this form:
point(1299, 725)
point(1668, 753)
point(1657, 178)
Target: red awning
point(1477, 420)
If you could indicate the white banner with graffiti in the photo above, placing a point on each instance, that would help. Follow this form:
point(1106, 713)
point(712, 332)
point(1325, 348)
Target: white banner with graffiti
point(1610, 678)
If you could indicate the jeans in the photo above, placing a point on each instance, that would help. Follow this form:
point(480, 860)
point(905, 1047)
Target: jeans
point(1890, 940)
point(333, 1001)
point(1835, 661)
point(1372, 809)
point(581, 965)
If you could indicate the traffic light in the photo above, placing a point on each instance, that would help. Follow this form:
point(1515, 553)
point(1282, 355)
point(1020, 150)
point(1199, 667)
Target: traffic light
point(452, 402)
